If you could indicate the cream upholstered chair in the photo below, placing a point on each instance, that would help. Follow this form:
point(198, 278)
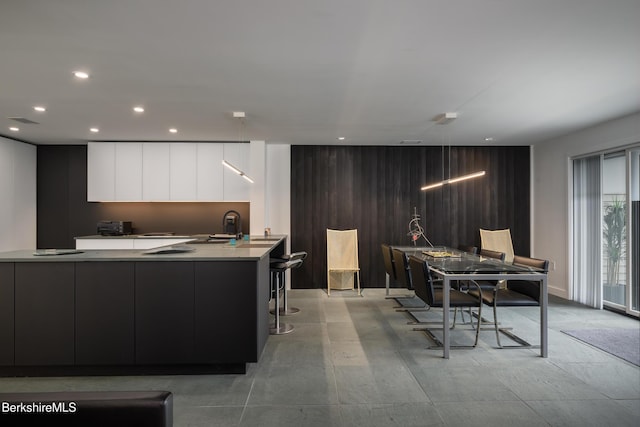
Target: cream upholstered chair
point(498, 240)
point(342, 260)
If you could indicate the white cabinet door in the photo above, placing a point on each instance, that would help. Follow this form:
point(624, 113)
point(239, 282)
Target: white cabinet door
point(24, 202)
point(209, 172)
point(101, 171)
point(128, 171)
point(236, 188)
point(183, 171)
point(7, 194)
point(156, 163)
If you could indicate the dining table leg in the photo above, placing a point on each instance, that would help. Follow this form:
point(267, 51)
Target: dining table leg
point(544, 302)
point(387, 283)
point(446, 286)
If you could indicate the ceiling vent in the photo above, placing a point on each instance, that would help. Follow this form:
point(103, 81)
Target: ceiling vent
point(23, 120)
point(411, 141)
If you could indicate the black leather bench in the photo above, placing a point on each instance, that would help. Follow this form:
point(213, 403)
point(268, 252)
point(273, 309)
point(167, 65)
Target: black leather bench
point(94, 408)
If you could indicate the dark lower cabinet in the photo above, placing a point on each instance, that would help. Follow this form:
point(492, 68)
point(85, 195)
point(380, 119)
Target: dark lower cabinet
point(164, 305)
point(44, 313)
point(221, 293)
point(105, 328)
point(6, 314)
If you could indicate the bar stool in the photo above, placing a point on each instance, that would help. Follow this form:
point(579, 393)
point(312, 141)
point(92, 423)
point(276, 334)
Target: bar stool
point(285, 310)
point(278, 269)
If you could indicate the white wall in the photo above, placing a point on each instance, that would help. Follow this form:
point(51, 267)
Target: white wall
point(278, 215)
point(17, 195)
point(551, 190)
point(271, 191)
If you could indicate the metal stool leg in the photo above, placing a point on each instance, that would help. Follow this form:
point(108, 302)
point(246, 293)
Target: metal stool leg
point(286, 310)
point(278, 328)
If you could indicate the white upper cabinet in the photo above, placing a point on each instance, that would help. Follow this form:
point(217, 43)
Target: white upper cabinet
point(18, 194)
point(176, 171)
point(183, 183)
point(128, 172)
point(156, 162)
point(101, 171)
point(209, 171)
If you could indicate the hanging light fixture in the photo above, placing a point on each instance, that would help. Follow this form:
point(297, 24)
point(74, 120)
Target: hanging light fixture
point(240, 115)
point(443, 119)
point(236, 170)
point(453, 180)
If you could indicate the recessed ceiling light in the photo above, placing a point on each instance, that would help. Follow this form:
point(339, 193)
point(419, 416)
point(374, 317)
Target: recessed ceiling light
point(341, 138)
point(488, 139)
point(138, 109)
point(94, 130)
point(81, 74)
point(14, 129)
point(173, 130)
point(39, 108)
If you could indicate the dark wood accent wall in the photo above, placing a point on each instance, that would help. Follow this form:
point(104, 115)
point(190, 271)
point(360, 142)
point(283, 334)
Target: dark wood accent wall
point(375, 190)
point(64, 213)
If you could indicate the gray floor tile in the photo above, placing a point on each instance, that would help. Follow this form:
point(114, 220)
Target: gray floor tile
point(296, 353)
point(207, 416)
point(483, 414)
point(463, 384)
point(545, 381)
point(377, 384)
point(299, 415)
point(388, 415)
point(584, 413)
point(210, 390)
point(616, 381)
point(295, 385)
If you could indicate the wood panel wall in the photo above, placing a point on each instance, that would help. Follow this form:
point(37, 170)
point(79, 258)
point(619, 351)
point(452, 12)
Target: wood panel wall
point(375, 190)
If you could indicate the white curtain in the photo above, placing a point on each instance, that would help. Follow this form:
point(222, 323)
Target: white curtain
point(587, 231)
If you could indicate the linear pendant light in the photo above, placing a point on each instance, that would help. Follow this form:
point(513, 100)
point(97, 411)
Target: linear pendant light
point(453, 180)
point(236, 170)
point(240, 115)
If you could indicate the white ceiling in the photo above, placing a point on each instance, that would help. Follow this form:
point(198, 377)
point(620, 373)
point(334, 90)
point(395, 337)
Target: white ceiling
point(308, 71)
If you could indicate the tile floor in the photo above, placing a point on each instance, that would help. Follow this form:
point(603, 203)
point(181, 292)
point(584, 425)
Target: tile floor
point(354, 361)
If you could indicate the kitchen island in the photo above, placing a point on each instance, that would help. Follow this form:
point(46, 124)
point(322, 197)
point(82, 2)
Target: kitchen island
point(125, 311)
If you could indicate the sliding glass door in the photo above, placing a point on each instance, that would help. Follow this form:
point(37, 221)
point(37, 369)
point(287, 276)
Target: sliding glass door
point(633, 294)
point(606, 230)
point(614, 229)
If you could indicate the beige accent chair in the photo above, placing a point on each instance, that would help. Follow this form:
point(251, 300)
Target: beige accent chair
point(498, 240)
point(342, 260)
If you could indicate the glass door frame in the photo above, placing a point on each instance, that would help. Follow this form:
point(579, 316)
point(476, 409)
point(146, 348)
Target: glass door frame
point(632, 289)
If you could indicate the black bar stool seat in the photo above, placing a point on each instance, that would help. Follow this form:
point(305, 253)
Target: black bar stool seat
point(285, 310)
point(278, 268)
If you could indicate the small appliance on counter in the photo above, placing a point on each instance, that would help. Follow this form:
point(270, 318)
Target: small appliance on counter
point(114, 228)
point(232, 225)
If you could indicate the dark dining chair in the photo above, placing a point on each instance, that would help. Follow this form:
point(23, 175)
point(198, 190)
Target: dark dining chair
point(425, 290)
point(516, 293)
point(488, 285)
point(488, 253)
point(389, 265)
point(403, 277)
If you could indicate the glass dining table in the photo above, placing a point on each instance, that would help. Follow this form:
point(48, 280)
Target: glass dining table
point(451, 265)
